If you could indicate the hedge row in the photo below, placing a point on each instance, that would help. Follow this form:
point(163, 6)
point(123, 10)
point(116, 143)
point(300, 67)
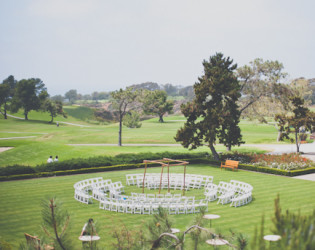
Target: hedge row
point(89, 170)
point(192, 160)
point(94, 162)
point(73, 171)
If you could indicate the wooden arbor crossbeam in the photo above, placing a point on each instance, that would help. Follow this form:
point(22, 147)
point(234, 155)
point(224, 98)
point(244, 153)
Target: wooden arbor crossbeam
point(165, 162)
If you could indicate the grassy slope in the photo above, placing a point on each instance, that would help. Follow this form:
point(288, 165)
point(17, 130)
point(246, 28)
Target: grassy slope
point(53, 140)
point(20, 209)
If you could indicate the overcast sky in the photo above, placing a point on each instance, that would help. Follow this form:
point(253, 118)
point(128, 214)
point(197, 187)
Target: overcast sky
point(103, 45)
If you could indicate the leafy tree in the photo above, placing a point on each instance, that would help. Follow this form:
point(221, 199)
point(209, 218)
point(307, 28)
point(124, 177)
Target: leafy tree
point(146, 85)
point(262, 90)
point(302, 120)
point(301, 87)
point(312, 88)
point(6, 93)
point(29, 95)
point(72, 95)
point(4, 97)
point(58, 98)
point(187, 92)
point(54, 108)
point(132, 120)
point(171, 89)
point(122, 101)
point(155, 102)
point(100, 95)
point(213, 112)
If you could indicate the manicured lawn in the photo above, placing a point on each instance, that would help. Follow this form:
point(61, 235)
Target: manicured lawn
point(48, 139)
point(20, 209)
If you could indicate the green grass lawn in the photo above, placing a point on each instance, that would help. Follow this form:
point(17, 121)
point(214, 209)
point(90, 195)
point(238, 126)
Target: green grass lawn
point(20, 209)
point(48, 139)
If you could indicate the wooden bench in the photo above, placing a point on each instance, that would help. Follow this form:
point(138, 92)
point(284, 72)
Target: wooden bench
point(230, 164)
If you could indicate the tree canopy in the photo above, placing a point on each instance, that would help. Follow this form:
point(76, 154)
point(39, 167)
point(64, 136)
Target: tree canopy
point(29, 95)
point(54, 108)
point(301, 121)
point(263, 93)
point(213, 114)
point(71, 95)
point(7, 89)
point(155, 102)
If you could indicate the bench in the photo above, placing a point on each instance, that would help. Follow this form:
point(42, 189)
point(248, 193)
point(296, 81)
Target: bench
point(229, 164)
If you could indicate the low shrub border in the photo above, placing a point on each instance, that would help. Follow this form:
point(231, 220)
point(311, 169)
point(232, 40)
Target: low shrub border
point(93, 162)
point(141, 165)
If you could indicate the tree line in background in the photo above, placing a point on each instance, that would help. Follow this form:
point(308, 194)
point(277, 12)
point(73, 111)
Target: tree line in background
point(27, 94)
point(73, 96)
point(220, 98)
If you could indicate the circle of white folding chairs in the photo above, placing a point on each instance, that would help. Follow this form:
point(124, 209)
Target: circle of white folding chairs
point(109, 193)
point(235, 192)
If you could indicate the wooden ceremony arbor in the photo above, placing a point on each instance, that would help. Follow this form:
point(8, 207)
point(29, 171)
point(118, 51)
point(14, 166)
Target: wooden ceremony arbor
point(165, 162)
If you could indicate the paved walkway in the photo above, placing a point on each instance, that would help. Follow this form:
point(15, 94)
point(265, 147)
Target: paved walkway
point(308, 177)
point(2, 149)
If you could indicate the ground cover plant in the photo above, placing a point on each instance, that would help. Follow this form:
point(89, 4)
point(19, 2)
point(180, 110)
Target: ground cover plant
point(20, 210)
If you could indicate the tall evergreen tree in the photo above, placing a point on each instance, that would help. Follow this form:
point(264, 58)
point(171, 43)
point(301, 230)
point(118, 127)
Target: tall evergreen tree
point(213, 112)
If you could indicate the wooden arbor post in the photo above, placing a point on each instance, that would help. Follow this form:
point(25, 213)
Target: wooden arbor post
point(162, 162)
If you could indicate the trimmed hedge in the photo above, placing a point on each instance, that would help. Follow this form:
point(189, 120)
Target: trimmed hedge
point(94, 162)
point(55, 169)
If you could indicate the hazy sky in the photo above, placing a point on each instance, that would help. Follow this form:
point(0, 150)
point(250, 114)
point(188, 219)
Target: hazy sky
point(103, 45)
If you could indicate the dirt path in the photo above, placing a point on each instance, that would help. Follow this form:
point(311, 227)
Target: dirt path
point(68, 123)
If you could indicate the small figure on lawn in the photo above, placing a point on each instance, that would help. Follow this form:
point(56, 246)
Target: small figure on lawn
point(56, 159)
point(50, 159)
point(89, 228)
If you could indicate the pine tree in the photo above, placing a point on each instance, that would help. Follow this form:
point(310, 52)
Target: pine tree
point(56, 223)
point(213, 114)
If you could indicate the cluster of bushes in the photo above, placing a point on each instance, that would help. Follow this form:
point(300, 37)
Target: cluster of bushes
point(289, 162)
point(95, 162)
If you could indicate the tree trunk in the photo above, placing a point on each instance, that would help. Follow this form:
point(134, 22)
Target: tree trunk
point(5, 111)
point(52, 118)
point(214, 152)
point(25, 115)
point(120, 128)
point(228, 147)
point(161, 118)
point(297, 142)
point(279, 135)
